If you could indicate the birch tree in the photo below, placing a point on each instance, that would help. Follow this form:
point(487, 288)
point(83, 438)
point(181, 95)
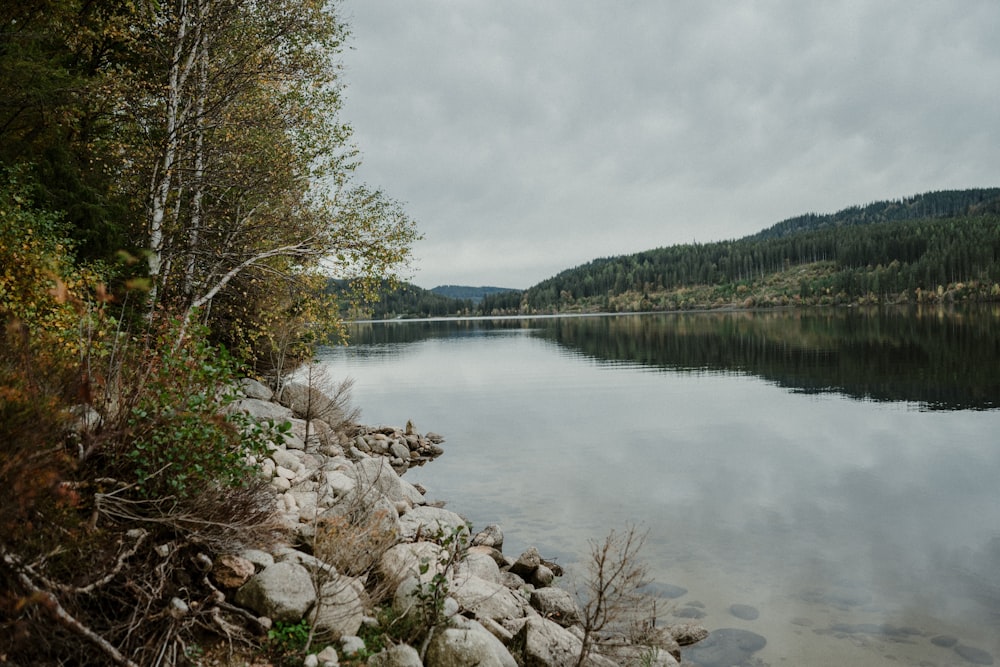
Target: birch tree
point(249, 166)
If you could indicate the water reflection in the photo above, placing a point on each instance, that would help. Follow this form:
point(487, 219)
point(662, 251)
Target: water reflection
point(938, 359)
point(746, 452)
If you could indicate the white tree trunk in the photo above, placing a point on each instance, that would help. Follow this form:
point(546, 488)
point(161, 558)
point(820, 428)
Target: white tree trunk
point(183, 57)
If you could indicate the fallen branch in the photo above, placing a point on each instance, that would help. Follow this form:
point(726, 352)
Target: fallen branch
point(50, 603)
point(140, 537)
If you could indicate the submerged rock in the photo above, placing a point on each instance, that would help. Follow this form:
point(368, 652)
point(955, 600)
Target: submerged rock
point(689, 612)
point(946, 641)
point(725, 648)
point(974, 655)
point(668, 591)
point(744, 612)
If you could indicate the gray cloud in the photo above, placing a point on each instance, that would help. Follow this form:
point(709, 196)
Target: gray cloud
point(529, 137)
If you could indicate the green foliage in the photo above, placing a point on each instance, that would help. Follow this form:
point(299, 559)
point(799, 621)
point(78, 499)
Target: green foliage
point(288, 641)
point(178, 442)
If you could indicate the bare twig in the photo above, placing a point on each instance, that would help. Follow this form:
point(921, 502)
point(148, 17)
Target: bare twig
point(611, 589)
point(48, 601)
point(27, 569)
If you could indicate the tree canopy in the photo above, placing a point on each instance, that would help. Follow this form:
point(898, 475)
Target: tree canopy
point(202, 138)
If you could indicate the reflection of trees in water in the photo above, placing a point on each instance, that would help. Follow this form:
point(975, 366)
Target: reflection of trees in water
point(395, 332)
point(939, 359)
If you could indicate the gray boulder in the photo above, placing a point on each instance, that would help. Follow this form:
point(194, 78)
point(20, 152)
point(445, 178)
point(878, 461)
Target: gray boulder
point(479, 561)
point(313, 433)
point(260, 410)
point(338, 611)
point(286, 459)
point(486, 599)
point(310, 403)
point(260, 559)
point(401, 655)
point(400, 451)
point(376, 473)
point(542, 576)
point(543, 643)
point(253, 389)
point(427, 521)
point(556, 604)
point(403, 561)
point(369, 509)
point(490, 536)
point(527, 563)
point(283, 592)
point(467, 645)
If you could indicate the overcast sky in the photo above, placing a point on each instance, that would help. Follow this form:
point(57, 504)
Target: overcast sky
point(530, 136)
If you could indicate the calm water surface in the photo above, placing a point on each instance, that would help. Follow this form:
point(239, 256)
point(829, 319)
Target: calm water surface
point(837, 470)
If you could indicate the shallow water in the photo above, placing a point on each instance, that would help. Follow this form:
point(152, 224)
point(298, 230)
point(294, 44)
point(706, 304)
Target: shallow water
point(839, 473)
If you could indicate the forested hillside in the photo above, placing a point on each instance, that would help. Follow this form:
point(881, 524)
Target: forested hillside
point(942, 204)
point(398, 299)
point(891, 251)
point(474, 294)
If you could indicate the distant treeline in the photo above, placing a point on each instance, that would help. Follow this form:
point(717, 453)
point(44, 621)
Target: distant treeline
point(933, 246)
point(474, 294)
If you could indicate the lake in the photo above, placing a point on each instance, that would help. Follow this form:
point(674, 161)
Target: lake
point(837, 470)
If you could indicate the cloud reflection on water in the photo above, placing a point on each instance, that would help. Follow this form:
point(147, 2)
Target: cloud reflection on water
point(798, 492)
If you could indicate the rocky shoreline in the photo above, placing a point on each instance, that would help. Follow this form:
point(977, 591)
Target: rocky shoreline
point(363, 545)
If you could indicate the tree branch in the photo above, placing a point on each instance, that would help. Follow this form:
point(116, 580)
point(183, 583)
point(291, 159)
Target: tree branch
point(51, 604)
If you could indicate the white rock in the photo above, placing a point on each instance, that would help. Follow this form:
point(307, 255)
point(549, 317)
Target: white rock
point(260, 559)
point(481, 564)
point(430, 521)
point(261, 411)
point(404, 560)
point(339, 610)
point(283, 592)
point(486, 599)
point(286, 459)
point(351, 645)
point(306, 501)
point(328, 657)
point(468, 644)
point(339, 483)
point(281, 484)
point(401, 655)
point(293, 441)
point(253, 389)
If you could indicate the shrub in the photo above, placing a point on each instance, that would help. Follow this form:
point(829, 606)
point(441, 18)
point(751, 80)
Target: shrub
point(175, 440)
